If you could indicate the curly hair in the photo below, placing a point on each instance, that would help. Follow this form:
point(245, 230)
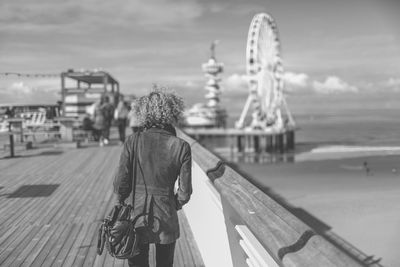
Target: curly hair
point(159, 108)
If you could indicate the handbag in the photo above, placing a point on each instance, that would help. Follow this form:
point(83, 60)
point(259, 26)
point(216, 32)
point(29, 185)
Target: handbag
point(117, 232)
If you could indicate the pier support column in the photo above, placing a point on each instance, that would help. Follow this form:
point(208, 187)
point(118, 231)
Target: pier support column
point(290, 140)
point(247, 143)
point(256, 144)
point(279, 143)
point(240, 143)
point(274, 143)
point(269, 143)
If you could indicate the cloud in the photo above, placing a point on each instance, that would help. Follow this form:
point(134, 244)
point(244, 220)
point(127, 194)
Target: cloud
point(42, 12)
point(190, 84)
point(393, 82)
point(161, 12)
point(236, 82)
point(98, 12)
point(333, 84)
point(33, 91)
point(19, 88)
point(295, 81)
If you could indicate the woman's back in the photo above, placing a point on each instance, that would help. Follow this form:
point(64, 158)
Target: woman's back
point(161, 156)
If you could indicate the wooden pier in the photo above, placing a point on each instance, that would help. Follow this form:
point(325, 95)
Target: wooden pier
point(243, 141)
point(52, 202)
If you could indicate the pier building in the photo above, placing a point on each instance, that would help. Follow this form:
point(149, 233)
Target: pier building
point(89, 87)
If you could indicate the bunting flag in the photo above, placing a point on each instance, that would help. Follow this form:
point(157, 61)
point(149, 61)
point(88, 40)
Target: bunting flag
point(30, 75)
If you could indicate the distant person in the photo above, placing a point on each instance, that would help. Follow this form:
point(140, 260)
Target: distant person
point(87, 125)
point(367, 169)
point(121, 116)
point(162, 159)
point(134, 122)
point(102, 118)
point(9, 113)
point(108, 112)
point(99, 123)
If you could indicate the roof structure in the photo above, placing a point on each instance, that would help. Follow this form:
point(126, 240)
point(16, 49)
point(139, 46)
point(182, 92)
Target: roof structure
point(91, 77)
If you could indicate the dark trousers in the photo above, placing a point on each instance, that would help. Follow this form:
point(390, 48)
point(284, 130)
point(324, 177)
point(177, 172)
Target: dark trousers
point(106, 132)
point(164, 256)
point(121, 129)
point(101, 134)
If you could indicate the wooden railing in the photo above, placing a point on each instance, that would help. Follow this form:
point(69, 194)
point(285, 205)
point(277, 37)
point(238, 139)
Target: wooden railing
point(260, 231)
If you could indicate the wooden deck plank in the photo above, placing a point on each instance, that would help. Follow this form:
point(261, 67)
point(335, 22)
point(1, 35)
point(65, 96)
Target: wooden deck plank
point(32, 244)
point(47, 248)
point(16, 203)
point(7, 248)
point(8, 234)
point(56, 248)
point(17, 246)
point(88, 251)
point(22, 205)
point(73, 252)
point(39, 246)
point(32, 178)
point(30, 215)
point(60, 229)
point(67, 246)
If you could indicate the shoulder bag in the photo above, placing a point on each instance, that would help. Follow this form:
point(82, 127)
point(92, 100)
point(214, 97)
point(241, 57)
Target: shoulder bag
point(118, 232)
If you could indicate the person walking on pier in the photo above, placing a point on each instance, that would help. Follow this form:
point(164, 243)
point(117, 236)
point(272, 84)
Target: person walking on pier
point(162, 159)
point(121, 115)
point(108, 112)
point(98, 122)
point(102, 117)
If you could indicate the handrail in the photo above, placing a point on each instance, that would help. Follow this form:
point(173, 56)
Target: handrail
point(287, 240)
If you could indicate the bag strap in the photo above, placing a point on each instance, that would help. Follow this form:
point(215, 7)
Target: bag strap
point(144, 212)
point(135, 165)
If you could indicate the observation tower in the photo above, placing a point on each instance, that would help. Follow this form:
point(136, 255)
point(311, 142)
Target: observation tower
point(210, 114)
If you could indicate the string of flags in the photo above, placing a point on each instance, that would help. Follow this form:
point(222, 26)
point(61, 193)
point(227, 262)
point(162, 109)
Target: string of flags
point(30, 75)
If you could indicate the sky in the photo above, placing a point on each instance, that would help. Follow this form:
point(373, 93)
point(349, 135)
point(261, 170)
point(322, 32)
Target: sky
point(329, 48)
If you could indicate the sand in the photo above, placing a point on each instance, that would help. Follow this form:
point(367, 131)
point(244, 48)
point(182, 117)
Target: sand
point(362, 208)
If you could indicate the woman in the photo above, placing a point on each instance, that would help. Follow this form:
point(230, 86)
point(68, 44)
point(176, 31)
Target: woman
point(162, 158)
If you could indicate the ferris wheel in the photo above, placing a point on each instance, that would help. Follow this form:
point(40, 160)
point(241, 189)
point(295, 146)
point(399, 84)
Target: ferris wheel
point(265, 77)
